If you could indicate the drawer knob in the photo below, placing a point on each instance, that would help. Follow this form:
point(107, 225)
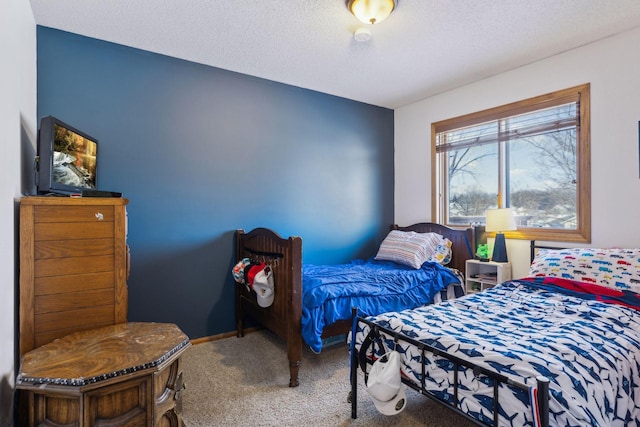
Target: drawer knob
point(99, 216)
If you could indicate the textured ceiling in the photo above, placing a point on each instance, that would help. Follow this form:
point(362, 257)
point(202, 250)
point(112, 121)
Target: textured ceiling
point(425, 47)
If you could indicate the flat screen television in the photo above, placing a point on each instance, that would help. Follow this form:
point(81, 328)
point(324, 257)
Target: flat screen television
point(66, 161)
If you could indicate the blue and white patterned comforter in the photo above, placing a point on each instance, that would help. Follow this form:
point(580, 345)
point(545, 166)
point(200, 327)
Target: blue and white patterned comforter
point(589, 349)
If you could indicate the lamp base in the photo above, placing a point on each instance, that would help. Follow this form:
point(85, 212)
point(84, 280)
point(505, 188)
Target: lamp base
point(499, 249)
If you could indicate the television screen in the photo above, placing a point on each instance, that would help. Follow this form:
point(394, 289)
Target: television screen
point(74, 158)
point(67, 158)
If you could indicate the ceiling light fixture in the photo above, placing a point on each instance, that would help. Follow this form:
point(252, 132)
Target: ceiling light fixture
point(371, 11)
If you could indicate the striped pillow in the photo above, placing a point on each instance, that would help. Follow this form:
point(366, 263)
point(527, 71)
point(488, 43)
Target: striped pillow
point(408, 247)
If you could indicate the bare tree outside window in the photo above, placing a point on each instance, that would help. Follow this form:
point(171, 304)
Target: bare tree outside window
point(535, 162)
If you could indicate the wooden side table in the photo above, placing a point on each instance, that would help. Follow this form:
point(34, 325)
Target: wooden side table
point(126, 375)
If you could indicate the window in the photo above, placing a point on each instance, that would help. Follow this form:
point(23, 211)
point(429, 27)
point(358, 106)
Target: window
point(532, 156)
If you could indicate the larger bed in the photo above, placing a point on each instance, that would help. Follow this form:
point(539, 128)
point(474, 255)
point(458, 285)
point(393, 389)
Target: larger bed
point(571, 326)
point(324, 308)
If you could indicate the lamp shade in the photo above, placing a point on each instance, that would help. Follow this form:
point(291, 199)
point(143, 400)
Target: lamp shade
point(500, 220)
point(371, 11)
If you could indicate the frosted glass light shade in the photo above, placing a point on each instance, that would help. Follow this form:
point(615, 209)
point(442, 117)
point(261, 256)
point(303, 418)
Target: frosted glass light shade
point(371, 11)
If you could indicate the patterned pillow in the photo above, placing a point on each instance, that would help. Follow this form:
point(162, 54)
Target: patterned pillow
point(614, 268)
point(408, 247)
point(442, 254)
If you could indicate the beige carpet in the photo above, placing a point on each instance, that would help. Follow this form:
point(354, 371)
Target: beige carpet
point(244, 382)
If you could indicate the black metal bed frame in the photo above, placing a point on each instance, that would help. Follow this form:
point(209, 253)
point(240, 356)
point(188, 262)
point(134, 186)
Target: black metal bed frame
point(533, 246)
point(542, 382)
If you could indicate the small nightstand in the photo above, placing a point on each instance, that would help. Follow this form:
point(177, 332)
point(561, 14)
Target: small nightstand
point(481, 275)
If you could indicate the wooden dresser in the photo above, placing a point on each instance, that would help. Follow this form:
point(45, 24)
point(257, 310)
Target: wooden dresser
point(128, 374)
point(73, 266)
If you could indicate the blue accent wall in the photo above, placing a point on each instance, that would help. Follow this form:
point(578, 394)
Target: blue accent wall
point(200, 152)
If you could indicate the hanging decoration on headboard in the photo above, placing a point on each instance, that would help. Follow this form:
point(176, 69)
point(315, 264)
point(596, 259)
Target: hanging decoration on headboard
point(257, 277)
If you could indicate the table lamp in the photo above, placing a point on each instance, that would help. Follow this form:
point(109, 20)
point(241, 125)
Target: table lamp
point(499, 220)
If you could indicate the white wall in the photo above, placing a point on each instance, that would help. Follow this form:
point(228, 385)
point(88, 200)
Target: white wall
point(18, 124)
point(611, 66)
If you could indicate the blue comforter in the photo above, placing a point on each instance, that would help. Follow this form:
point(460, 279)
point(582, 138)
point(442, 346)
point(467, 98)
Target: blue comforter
point(374, 287)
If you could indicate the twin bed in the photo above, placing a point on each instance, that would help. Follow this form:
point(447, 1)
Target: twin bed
point(323, 310)
point(560, 347)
